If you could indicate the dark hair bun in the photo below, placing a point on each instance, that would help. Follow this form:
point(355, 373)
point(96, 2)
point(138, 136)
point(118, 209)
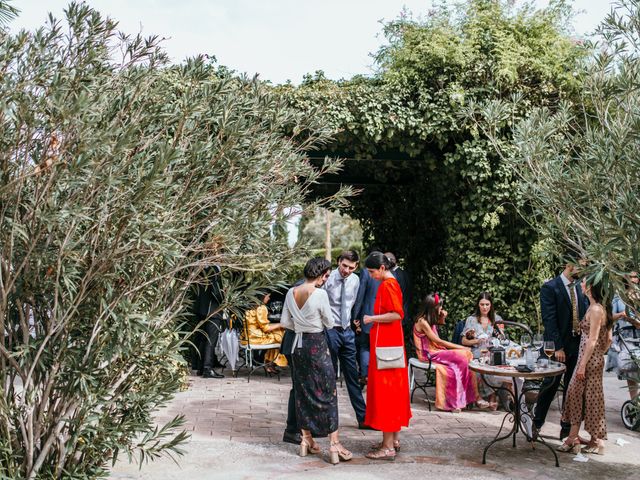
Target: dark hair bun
point(316, 267)
point(376, 259)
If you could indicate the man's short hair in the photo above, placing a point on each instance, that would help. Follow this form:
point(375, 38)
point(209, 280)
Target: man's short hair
point(571, 255)
point(350, 255)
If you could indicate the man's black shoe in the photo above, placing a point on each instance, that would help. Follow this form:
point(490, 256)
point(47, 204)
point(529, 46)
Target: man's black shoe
point(208, 373)
point(362, 426)
point(292, 437)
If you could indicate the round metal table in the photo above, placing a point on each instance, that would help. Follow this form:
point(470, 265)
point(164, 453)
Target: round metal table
point(520, 417)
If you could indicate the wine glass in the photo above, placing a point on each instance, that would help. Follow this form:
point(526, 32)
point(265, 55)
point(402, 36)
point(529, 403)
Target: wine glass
point(538, 342)
point(549, 350)
point(504, 340)
point(276, 307)
point(484, 350)
point(525, 340)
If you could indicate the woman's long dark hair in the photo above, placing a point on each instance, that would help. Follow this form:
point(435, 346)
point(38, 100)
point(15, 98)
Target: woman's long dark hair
point(492, 312)
point(429, 310)
point(597, 292)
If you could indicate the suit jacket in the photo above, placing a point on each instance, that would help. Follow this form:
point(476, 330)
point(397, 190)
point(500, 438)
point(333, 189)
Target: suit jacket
point(555, 306)
point(365, 299)
point(209, 293)
point(405, 286)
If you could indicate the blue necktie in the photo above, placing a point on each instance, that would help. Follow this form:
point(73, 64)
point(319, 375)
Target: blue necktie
point(344, 314)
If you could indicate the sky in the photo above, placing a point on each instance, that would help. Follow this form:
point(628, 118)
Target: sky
point(279, 39)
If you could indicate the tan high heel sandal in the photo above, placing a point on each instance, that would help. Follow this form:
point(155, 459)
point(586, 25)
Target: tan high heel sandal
point(337, 453)
point(307, 447)
point(382, 454)
point(378, 446)
point(570, 445)
point(596, 448)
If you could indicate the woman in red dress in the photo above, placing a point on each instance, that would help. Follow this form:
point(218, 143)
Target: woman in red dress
point(388, 407)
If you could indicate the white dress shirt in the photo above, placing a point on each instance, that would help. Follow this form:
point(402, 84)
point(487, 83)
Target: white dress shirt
point(567, 285)
point(333, 287)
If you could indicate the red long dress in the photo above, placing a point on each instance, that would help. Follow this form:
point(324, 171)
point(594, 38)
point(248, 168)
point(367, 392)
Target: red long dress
point(388, 406)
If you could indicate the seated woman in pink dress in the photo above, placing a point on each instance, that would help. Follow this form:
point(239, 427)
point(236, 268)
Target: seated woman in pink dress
point(456, 385)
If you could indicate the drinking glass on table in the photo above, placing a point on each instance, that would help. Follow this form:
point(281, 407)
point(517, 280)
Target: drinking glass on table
point(525, 340)
point(276, 307)
point(484, 350)
point(549, 350)
point(538, 342)
point(504, 340)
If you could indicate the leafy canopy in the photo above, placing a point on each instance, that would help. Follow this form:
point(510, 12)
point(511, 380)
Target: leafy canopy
point(436, 192)
point(122, 178)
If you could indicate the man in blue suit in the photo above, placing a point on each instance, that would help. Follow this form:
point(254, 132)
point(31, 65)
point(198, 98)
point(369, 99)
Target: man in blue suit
point(364, 306)
point(405, 286)
point(562, 305)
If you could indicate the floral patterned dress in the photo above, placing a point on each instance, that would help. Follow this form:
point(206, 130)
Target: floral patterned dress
point(314, 379)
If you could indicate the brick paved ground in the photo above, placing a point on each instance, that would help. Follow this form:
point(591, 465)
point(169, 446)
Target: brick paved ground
point(237, 431)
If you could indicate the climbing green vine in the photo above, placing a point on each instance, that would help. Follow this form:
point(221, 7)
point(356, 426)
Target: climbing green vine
point(454, 222)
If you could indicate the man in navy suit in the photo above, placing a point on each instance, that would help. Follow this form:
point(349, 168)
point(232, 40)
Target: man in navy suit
point(405, 286)
point(562, 305)
point(364, 306)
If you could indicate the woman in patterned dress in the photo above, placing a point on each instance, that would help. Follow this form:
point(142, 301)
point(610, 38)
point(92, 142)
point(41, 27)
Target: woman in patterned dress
point(585, 395)
point(481, 327)
point(307, 311)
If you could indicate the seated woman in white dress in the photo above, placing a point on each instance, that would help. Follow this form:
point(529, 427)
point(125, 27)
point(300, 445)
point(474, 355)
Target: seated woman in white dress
point(479, 329)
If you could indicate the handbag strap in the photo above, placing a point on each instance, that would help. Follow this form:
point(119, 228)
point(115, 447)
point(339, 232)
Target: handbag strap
point(378, 329)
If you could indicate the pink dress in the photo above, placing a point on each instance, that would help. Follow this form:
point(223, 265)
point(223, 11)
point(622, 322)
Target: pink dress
point(456, 385)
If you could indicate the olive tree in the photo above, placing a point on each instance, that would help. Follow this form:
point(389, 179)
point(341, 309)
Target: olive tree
point(578, 162)
point(122, 178)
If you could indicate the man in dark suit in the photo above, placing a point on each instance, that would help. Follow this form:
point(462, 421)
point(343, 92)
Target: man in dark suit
point(405, 286)
point(562, 305)
point(365, 300)
point(207, 309)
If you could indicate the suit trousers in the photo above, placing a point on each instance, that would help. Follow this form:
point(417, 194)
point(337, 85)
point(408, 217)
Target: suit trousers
point(342, 346)
point(285, 348)
point(362, 346)
point(208, 341)
point(550, 386)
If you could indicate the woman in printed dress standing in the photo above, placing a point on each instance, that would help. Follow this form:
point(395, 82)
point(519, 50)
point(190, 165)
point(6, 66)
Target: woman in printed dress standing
point(585, 395)
point(388, 407)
